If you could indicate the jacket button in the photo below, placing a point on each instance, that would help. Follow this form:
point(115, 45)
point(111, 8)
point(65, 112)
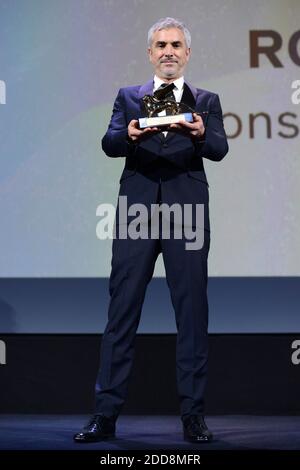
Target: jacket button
point(165, 145)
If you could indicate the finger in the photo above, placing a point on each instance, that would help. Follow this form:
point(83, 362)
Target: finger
point(133, 128)
point(197, 117)
point(189, 125)
point(150, 129)
point(136, 132)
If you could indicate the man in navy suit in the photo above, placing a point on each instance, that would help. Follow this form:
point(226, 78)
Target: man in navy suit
point(162, 166)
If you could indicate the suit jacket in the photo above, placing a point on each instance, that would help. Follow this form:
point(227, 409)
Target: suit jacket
point(174, 162)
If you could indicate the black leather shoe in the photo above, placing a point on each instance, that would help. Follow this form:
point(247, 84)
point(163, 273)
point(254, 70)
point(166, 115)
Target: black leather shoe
point(98, 428)
point(195, 429)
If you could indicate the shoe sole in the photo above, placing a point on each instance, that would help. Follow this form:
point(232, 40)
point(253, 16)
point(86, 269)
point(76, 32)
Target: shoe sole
point(197, 441)
point(99, 439)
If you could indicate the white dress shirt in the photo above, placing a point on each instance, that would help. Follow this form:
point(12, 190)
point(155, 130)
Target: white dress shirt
point(177, 90)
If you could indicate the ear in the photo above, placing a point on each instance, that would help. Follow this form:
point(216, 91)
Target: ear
point(150, 55)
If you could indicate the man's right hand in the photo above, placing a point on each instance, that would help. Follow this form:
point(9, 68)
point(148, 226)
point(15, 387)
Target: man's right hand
point(134, 133)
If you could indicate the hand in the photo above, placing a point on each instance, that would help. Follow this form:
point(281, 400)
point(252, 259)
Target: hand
point(195, 128)
point(135, 133)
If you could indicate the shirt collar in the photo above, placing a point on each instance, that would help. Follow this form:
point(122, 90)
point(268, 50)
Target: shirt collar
point(178, 83)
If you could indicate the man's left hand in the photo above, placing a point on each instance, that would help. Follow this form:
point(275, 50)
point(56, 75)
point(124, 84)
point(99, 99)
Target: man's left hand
point(195, 128)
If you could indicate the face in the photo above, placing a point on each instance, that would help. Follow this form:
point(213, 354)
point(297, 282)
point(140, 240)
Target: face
point(169, 53)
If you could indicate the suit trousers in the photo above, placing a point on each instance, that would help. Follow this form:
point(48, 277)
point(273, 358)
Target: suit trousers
point(132, 268)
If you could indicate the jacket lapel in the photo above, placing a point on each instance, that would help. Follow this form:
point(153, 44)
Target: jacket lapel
point(146, 89)
point(188, 97)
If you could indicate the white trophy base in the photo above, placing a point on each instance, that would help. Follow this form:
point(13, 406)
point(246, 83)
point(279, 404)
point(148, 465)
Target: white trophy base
point(159, 121)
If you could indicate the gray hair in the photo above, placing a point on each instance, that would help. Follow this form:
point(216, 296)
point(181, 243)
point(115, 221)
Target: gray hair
point(167, 23)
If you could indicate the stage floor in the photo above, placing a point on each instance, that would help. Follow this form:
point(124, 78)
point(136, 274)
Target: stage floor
point(234, 432)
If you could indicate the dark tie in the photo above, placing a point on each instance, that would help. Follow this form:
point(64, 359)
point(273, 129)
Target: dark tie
point(169, 94)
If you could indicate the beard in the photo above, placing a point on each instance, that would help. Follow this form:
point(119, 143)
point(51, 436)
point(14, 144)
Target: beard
point(169, 71)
